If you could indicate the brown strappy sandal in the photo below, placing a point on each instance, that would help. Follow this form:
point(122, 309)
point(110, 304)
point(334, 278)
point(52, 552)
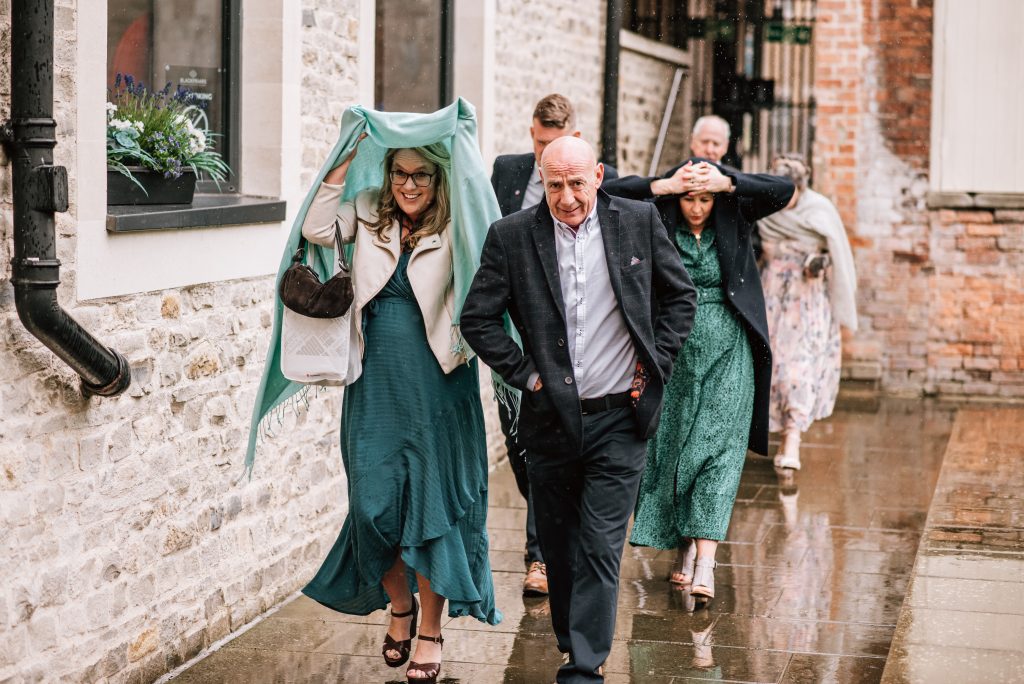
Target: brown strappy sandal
point(404, 647)
point(432, 669)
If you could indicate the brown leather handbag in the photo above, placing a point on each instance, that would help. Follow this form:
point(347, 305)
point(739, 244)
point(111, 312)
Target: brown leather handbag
point(301, 289)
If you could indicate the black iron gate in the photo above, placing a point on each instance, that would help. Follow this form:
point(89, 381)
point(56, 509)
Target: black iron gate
point(753, 64)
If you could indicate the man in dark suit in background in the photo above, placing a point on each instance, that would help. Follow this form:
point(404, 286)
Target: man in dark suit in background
point(516, 182)
point(516, 177)
point(602, 302)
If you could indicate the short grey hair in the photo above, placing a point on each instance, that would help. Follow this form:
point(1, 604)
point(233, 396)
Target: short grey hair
point(712, 118)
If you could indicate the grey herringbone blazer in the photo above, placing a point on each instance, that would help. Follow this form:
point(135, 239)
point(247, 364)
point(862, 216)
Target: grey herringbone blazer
point(519, 273)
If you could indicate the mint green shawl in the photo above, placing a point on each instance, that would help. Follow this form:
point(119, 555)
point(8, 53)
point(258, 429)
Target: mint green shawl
point(474, 208)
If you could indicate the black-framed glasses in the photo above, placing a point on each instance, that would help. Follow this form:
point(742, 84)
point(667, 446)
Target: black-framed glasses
point(420, 179)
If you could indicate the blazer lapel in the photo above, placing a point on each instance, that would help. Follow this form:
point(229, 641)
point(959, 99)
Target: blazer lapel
point(427, 244)
point(610, 235)
point(544, 241)
point(394, 245)
point(520, 181)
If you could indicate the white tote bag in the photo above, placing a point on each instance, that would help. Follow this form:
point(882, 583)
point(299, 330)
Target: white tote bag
point(321, 351)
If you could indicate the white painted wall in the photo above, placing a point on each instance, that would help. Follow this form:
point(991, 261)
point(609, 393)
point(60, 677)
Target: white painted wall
point(978, 97)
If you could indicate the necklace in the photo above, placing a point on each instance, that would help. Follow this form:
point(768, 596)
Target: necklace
point(407, 229)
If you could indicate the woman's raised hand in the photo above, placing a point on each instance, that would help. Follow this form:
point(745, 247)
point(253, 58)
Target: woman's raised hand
point(336, 176)
point(709, 179)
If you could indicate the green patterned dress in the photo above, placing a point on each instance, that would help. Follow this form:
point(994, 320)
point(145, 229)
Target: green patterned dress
point(695, 460)
point(415, 455)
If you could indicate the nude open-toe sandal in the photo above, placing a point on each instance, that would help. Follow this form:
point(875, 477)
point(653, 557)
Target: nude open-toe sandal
point(683, 572)
point(703, 589)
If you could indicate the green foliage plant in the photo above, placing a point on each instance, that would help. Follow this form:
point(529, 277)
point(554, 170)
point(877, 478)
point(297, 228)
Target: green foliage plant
point(154, 130)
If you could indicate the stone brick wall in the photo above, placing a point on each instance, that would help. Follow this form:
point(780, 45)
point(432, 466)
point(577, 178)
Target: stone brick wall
point(130, 541)
point(543, 48)
point(330, 83)
point(644, 85)
point(938, 303)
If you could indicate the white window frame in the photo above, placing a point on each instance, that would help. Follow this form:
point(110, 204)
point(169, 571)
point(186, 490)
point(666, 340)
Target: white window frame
point(110, 264)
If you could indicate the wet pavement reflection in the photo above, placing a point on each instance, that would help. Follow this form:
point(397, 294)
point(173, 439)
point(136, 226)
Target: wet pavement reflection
point(963, 618)
point(809, 587)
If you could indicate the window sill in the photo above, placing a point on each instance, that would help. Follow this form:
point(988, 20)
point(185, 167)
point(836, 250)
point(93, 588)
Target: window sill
point(206, 210)
point(972, 200)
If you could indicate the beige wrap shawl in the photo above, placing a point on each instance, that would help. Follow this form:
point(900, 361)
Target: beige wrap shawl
point(814, 220)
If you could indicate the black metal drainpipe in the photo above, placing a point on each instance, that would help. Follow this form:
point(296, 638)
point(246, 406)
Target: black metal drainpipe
point(39, 190)
point(610, 115)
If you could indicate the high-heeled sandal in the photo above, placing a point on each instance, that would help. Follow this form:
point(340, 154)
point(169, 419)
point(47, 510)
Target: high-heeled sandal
point(703, 588)
point(432, 669)
point(404, 647)
point(683, 573)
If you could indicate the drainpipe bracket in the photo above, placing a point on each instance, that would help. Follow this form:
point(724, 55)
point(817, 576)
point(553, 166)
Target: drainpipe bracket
point(6, 142)
point(49, 186)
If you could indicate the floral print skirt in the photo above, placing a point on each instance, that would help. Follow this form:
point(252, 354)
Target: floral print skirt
point(806, 348)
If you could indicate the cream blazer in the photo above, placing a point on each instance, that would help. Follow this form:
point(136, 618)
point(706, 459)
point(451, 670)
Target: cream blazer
point(374, 262)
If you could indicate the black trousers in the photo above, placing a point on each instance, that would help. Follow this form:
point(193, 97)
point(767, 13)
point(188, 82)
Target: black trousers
point(583, 502)
point(517, 459)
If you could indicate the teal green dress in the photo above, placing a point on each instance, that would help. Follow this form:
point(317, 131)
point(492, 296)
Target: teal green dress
point(415, 454)
point(695, 460)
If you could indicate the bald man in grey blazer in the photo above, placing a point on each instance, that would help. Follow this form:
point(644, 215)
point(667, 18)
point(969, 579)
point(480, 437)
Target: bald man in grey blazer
point(603, 303)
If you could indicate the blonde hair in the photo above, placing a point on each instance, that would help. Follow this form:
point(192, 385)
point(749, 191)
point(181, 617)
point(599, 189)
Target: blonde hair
point(435, 218)
point(792, 165)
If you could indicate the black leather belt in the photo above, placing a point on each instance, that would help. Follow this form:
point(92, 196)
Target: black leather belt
point(605, 403)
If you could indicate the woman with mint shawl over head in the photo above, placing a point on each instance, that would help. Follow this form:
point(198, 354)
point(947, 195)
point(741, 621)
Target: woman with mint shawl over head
point(410, 193)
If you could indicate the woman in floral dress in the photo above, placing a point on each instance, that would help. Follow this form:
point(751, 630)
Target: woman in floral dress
point(809, 285)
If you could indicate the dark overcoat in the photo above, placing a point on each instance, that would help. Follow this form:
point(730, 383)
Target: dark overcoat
point(519, 274)
point(733, 216)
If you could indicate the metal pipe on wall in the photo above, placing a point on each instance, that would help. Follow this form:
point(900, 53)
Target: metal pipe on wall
point(39, 190)
point(610, 115)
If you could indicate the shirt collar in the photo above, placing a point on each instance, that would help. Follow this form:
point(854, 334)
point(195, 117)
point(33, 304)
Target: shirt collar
point(535, 176)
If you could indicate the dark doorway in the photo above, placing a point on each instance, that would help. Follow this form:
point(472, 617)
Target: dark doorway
point(753, 65)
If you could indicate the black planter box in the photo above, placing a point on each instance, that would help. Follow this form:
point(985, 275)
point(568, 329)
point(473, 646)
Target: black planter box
point(159, 190)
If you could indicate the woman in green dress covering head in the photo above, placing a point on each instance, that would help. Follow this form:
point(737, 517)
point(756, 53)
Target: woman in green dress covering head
point(412, 429)
point(716, 400)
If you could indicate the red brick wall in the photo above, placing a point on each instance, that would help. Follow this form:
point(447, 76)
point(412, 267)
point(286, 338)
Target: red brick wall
point(899, 33)
point(837, 77)
point(976, 337)
point(940, 300)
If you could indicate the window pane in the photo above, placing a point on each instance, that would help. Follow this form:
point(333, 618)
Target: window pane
point(176, 41)
point(409, 55)
point(660, 20)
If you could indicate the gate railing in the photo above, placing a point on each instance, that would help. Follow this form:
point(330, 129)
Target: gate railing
point(773, 86)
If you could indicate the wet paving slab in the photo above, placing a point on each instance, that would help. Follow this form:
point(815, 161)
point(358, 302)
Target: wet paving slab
point(809, 588)
point(963, 617)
